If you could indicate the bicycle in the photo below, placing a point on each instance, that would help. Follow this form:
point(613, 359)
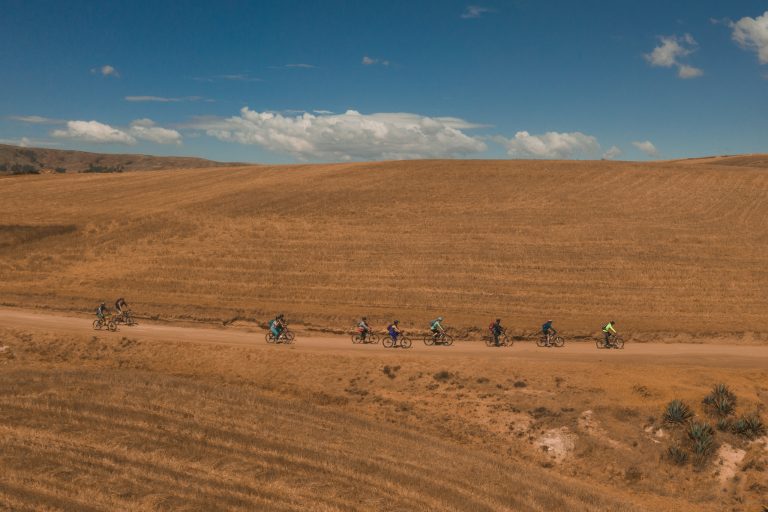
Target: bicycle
point(615, 341)
point(388, 342)
point(441, 339)
point(102, 322)
point(126, 317)
point(550, 340)
point(369, 337)
point(286, 336)
point(504, 340)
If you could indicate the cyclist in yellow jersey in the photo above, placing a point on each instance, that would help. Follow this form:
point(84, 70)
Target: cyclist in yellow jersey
point(607, 331)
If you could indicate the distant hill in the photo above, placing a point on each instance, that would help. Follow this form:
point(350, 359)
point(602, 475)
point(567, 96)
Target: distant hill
point(19, 160)
point(754, 160)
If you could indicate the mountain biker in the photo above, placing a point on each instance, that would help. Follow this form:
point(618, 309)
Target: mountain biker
point(102, 311)
point(436, 328)
point(394, 331)
point(548, 331)
point(496, 330)
point(121, 306)
point(607, 331)
point(277, 326)
point(364, 329)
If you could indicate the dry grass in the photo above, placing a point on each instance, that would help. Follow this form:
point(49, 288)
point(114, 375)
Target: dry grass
point(666, 247)
point(110, 422)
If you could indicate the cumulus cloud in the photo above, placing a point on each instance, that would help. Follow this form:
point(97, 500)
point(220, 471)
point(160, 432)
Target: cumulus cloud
point(145, 129)
point(347, 136)
point(612, 153)
point(475, 11)
point(551, 145)
point(752, 34)
point(669, 53)
point(370, 61)
point(94, 131)
point(106, 70)
point(647, 147)
point(140, 129)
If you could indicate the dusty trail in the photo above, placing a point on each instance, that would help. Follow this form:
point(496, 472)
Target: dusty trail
point(733, 356)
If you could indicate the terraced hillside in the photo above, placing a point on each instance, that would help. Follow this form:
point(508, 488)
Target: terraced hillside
point(659, 247)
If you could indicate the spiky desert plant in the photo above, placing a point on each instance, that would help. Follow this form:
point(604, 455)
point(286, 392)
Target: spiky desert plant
point(749, 426)
point(703, 441)
point(677, 412)
point(721, 400)
point(724, 424)
point(677, 455)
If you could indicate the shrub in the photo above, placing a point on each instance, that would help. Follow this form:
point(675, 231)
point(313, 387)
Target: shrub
point(677, 412)
point(724, 424)
point(61, 170)
point(677, 455)
point(720, 400)
point(749, 426)
point(702, 436)
point(443, 375)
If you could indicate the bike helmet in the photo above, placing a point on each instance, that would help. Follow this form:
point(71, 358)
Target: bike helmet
point(498, 320)
point(396, 322)
point(613, 321)
point(440, 318)
point(550, 320)
point(365, 319)
point(103, 303)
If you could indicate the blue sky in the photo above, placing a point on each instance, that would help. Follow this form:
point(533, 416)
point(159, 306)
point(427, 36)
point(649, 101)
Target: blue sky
point(289, 81)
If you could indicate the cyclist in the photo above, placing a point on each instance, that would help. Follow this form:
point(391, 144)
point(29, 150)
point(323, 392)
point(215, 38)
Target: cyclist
point(607, 331)
point(277, 326)
point(496, 330)
point(436, 328)
point(121, 307)
point(363, 328)
point(548, 331)
point(102, 311)
point(394, 332)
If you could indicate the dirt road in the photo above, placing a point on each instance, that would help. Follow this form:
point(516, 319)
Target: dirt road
point(634, 353)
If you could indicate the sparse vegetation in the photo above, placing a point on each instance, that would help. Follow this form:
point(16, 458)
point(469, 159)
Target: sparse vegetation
point(443, 376)
point(721, 400)
point(677, 455)
point(702, 439)
point(677, 412)
point(749, 426)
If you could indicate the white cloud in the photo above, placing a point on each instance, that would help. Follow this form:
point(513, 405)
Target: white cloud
point(36, 119)
point(301, 66)
point(347, 136)
point(370, 61)
point(163, 99)
point(647, 147)
point(140, 129)
point(106, 70)
point(551, 145)
point(685, 71)
point(145, 129)
point(94, 131)
point(669, 53)
point(235, 77)
point(612, 153)
point(475, 11)
point(752, 34)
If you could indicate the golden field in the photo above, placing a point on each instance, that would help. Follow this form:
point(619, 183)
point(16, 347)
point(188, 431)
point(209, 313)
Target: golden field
point(660, 247)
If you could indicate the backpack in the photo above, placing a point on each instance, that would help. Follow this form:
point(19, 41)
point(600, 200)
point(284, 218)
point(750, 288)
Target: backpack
point(491, 326)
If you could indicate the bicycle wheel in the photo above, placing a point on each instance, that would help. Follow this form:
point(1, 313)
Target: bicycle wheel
point(541, 342)
point(447, 340)
point(558, 341)
point(112, 326)
point(98, 324)
point(356, 339)
point(405, 342)
point(599, 343)
point(387, 342)
point(288, 337)
point(269, 337)
point(373, 338)
point(429, 340)
point(618, 342)
point(505, 340)
point(489, 340)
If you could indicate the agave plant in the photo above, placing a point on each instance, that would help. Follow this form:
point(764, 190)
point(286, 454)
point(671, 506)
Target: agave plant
point(724, 424)
point(677, 412)
point(720, 392)
point(677, 455)
point(723, 406)
point(703, 441)
point(749, 426)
